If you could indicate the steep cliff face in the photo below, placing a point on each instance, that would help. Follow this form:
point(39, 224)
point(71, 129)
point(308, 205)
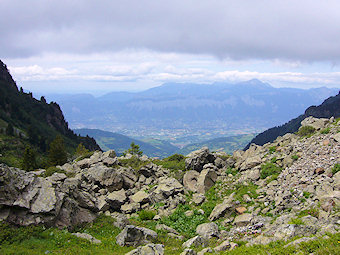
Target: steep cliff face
point(35, 118)
point(329, 108)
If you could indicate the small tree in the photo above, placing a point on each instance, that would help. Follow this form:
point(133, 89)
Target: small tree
point(57, 154)
point(134, 150)
point(29, 159)
point(81, 150)
point(9, 130)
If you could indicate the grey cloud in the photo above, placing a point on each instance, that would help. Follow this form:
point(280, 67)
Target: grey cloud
point(289, 29)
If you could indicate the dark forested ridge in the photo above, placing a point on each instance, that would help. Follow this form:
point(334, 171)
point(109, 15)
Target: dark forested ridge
point(34, 120)
point(329, 108)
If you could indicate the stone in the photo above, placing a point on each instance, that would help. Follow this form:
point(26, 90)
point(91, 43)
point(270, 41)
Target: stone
point(46, 199)
point(121, 220)
point(149, 249)
point(241, 210)
point(336, 137)
point(140, 197)
point(198, 199)
point(253, 174)
point(116, 199)
point(167, 187)
point(301, 240)
point(188, 252)
point(87, 237)
point(190, 180)
point(189, 213)
point(134, 236)
point(243, 219)
point(195, 241)
point(197, 159)
point(250, 163)
point(223, 246)
point(319, 170)
point(167, 229)
point(206, 180)
point(315, 122)
point(224, 209)
point(130, 208)
point(204, 251)
point(107, 177)
point(207, 230)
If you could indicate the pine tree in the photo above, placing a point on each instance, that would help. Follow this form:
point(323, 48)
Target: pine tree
point(134, 150)
point(57, 153)
point(9, 130)
point(29, 159)
point(81, 150)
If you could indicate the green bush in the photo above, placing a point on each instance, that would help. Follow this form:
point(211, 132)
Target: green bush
point(51, 170)
point(133, 162)
point(295, 157)
point(325, 131)
point(306, 131)
point(336, 168)
point(231, 170)
point(146, 214)
point(272, 149)
point(296, 221)
point(269, 169)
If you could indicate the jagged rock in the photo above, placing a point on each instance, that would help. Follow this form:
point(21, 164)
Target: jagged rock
point(149, 249)
point(167, 229)
point(106, 177)
point(195, 241)
point(250, 163)
point(167, 187)
point(204, 251)
point(130, 208)
point(314, 122)
point(207, 230)
point(253, 174)
point(197, 159)
point(224, 209)
point(223, 246)
point(116, 199)
point(336, 137)
point(206, 180)
point(149, 170)
point(198, 198)
point(190, 180)
point(134, 236)
point(129, 177)
point(121, 220)
point(140, 197)
point(243, 219)
point(87, 237)
point(102, 205)
point(300, 240)
point(188, 252)
point(240, 210)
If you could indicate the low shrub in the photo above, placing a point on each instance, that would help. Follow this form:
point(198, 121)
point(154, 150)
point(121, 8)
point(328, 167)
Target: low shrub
point(269, 169)
point(146, 214)
point(295, 157)
point(336, 168)
point(272, 149)
point(296, 221)
point(306, 131)
point(51, 170)
point(325, 131)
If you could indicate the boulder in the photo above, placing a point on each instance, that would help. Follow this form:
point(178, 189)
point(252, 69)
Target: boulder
point(149, 249)
point(140, 197)
point(198, 198)
point(224, 209)
point(188, 252)
point(167, 187)
point(190, 180)
point(206, 180)
point(315, 122)
point(134, 236)
point(207, 230)
point(223, 246)
point(105, 177)
point(195, 241)
point(197, 159)
point(243, 219)
point(116, 199)
point(87, 237)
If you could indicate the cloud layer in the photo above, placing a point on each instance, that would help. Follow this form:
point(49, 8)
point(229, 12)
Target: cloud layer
point(291, 30)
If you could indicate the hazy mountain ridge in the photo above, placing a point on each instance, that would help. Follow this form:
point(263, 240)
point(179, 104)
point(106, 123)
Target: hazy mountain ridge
point(329, 108)
point(174, 106)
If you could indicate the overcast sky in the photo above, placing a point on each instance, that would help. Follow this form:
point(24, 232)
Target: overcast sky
point(100, 46)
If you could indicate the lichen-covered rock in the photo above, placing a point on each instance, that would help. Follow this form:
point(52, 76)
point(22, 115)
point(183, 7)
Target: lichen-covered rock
point(134, 236)
point(197, 159)
point(149, 249)
point(207, 230)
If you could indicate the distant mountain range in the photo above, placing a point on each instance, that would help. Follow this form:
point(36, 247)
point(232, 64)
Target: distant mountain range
point(329, 108)
point(158, 148)
point(247, 106)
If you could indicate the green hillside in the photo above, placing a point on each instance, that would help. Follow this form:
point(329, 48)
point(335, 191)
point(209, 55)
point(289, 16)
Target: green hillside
point(226, 144)
point(28, 122)
point(120, 143)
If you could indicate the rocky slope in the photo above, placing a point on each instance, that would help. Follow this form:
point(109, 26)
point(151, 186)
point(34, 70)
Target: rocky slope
point(281, 190)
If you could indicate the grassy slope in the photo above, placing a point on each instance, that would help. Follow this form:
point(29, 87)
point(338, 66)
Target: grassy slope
point(38, 240)
point(228, 144)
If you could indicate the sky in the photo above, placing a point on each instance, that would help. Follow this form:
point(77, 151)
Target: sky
point(74, 46)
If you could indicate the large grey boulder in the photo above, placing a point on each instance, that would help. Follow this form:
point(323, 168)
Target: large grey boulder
point(207, 230)
point(243, 219)
point(315, 122)
point(134, 236)
point(224, 209)
point(206, 180)
point(87, 237)
point(167, 187)
point(195, 241)
point(116, 199)
point(106, 177)
point(197, 159)
point(149, 249)
point(140, 197)
point(190, 180)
